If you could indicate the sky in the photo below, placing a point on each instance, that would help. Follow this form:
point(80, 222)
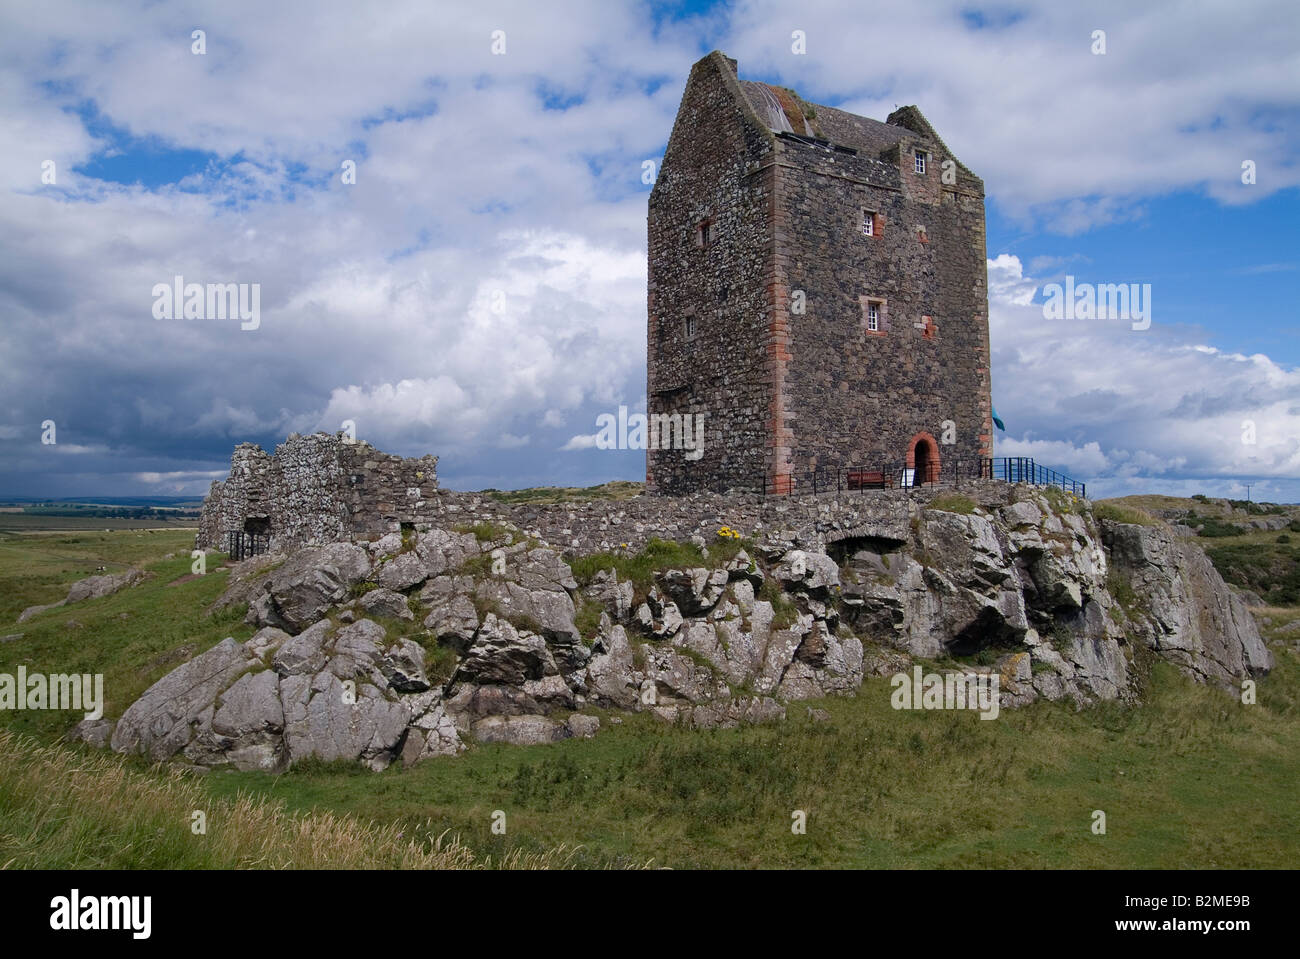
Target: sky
point(442, 206)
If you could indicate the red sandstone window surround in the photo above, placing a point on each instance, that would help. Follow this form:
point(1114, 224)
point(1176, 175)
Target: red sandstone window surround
point(704, 234)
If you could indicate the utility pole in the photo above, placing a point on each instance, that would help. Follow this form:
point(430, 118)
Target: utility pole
point(1248, 485)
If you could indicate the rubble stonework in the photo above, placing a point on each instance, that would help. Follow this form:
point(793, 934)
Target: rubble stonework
point(317, 489)
point(760, 275)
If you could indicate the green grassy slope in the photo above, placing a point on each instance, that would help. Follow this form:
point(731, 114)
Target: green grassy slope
point(1190, 779)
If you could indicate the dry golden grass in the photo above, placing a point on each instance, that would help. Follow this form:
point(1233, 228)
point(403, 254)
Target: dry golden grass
point(61, 808)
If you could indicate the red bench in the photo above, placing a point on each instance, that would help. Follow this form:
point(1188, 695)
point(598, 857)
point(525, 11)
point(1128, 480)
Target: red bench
point(869, 479)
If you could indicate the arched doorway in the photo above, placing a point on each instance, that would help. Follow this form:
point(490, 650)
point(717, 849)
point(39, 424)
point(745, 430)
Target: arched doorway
point(923, 458)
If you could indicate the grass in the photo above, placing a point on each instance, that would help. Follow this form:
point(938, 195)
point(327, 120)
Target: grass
point(106, 815)
point(133, 637)
point(784, 610)
point(1060, 501)
point(639, 567)
point(953, 503)
point(1270, 569)
point(587, 618)
point(487, 531)
point(1120, 513)
point(1190, 779)
point(545, 495)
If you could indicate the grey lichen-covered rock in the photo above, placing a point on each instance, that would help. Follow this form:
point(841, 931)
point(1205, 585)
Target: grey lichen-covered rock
point(615, 596)
point(443, 551)
point(93, 732)
point(694, 591)
point(31, 611)
point(754, 710)
point(532, 585)
point(582, 727)
point(302, 590)
point(386, 603)
point(520, 730)
point(325, 719)
point(92, 587)
point(612, 677)
point(452, 620)
point(96, 587)
point(165, 718)
point(304, 653)
point(349, 694)
point(502, 654)
point(403, 667)
point(1185, 611)
point(402, 572)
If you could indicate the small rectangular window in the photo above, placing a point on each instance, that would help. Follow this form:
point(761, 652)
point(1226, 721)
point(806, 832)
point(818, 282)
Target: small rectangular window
point(868, 223)
point(920, 161)
point(690, 327)
point(873, 317)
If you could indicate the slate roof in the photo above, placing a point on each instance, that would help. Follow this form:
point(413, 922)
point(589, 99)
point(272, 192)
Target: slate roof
point(827, 123)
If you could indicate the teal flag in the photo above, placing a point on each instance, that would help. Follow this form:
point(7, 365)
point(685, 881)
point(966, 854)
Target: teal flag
point(997, 420)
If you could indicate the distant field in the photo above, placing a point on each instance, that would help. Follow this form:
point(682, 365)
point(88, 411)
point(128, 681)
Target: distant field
point(28, 522)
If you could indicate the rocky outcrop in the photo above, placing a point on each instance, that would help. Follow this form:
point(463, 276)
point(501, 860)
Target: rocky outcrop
point(92, 587)
point(329, 692)
point(1183, 609)
point(1011, 580)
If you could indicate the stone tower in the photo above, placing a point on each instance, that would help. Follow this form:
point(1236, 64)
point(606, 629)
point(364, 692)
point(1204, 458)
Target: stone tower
point(817, 293)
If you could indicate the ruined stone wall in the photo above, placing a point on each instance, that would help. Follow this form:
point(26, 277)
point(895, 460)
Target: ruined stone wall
point(812, 520)
point(317, 489)
point(713, 172)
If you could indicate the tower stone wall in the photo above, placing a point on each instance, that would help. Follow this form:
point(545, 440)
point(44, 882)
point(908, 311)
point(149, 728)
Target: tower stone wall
point(780, 233)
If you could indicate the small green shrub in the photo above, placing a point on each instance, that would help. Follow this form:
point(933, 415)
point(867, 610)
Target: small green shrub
point(784, 611)
point(641, 567)
point(587, 619)
point(487, 531)
point(1060, 501)
point(1213, 528)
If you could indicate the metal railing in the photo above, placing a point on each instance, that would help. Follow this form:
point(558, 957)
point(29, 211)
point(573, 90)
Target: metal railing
point(1023, 469)
point(852, 479)
point(242, 545)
